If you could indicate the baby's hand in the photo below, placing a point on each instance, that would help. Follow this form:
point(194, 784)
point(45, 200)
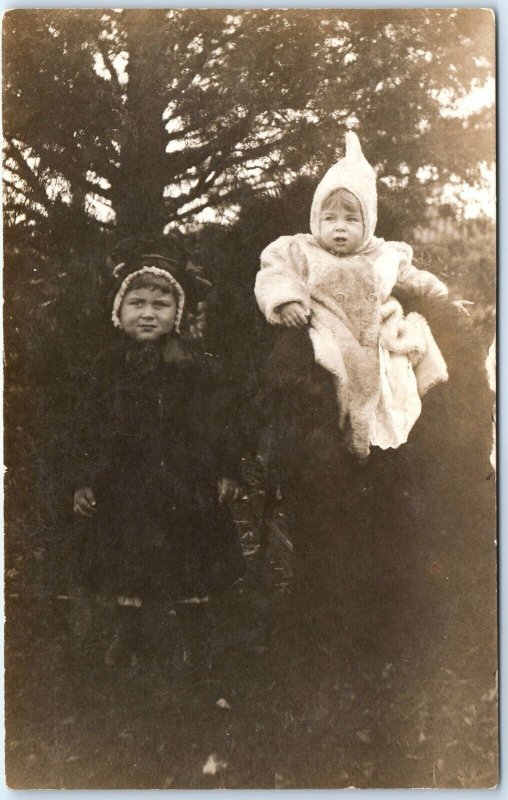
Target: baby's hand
point(292, 315)
point(228, 489)
point(84, 502)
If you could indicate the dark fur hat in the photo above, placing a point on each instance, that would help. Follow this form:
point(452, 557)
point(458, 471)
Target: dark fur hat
point(162, 254)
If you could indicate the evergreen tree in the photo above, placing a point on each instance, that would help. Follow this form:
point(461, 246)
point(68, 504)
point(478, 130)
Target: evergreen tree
point(155, 115)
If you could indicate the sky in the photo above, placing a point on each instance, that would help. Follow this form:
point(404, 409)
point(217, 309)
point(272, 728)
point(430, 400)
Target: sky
point(476, 200)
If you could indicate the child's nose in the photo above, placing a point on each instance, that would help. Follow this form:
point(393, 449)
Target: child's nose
point(147, 311)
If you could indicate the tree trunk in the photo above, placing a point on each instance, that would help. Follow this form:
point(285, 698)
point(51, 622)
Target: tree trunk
point(138, 194)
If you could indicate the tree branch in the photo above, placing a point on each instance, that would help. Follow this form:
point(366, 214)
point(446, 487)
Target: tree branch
point(215, 169)
point(26, 209)
point(181, 162)
point(109, 65)
point(27, 174)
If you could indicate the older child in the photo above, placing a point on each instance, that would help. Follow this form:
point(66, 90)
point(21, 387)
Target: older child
point(339, 279)
point(158, 456)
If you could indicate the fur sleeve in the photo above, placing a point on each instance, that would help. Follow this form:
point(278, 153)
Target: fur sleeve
point(282, 278)
point(417, 281)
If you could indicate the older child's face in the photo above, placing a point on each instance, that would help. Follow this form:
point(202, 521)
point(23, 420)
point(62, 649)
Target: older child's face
point(341, 225)
point(147, 314)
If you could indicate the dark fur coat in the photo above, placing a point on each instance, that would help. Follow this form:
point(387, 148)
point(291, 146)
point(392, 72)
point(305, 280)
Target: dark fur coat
point(154, 439)
point(410, 535)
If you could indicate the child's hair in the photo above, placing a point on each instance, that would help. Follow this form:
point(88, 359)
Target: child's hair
point(343, 196)
point(148, 280)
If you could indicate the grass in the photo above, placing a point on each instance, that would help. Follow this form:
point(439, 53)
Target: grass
point(295, 715)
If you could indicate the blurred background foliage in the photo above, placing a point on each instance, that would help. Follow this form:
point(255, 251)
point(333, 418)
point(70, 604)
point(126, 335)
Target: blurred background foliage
point(216, 125)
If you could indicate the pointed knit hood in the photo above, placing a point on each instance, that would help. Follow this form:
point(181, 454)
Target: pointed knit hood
point(354, 173)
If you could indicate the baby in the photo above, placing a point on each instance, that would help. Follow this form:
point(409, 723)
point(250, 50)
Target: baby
point(339, 279)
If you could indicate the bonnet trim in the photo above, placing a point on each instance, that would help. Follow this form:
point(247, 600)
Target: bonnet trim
point(162, 273)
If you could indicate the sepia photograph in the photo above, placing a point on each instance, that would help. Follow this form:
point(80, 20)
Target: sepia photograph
point(250, 398)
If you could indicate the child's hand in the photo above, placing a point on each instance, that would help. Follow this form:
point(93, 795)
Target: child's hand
point(84, 502)
point(228, 490)
point(292, 315)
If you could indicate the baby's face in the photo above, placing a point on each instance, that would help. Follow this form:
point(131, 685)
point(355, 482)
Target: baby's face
point(341, 225)
point(147, 314)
